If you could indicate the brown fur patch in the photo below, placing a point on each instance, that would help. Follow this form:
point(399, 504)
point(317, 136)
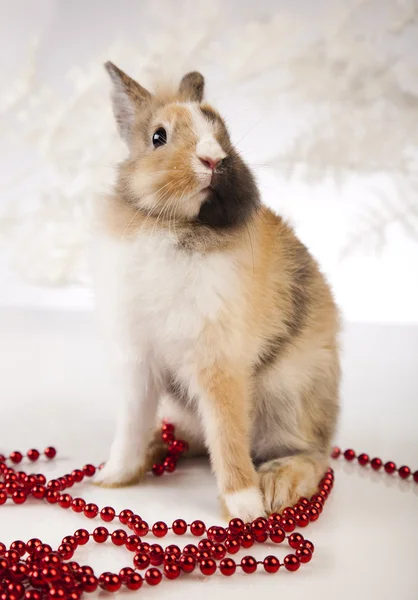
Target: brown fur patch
point(192, 87)
point(228, 428)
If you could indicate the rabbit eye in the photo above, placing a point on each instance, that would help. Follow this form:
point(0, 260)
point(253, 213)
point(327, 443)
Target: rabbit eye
point(159, 138)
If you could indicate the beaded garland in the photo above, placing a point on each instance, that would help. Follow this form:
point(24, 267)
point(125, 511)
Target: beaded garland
point(34, 571)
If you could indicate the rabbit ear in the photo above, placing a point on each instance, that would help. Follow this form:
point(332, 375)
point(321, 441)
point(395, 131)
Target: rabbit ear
point(127, 97)
point(192, 86)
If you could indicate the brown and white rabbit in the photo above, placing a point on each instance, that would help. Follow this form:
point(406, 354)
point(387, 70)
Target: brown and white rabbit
point(221, 319)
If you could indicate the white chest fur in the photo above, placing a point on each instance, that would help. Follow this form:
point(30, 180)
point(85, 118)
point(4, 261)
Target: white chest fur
point(162, 297)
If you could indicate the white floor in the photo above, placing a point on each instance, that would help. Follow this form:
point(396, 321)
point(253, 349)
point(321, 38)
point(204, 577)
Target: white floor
point(54, 391)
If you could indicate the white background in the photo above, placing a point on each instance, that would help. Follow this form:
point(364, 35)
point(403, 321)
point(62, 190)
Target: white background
point(54, 386)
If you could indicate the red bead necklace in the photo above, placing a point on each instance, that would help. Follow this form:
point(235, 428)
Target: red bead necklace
point(34, 571)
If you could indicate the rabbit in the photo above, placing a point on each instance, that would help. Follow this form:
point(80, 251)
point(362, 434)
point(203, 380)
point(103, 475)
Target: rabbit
point(220, 319)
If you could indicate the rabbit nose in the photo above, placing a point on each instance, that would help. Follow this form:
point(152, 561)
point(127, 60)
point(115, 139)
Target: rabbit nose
point(210, 163)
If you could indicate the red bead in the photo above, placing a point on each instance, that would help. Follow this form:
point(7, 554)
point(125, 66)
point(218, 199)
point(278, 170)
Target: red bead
point(205, 544)
point(16, 457)
point(90, 583)
point(66, 551)
point(291, 562)
point(57, 593)
point(218, 551)
point(91, 510)
point(348, 455)
point(416, 476)
point(3, 497)
point(277, 535)
point(125, 515)
point(123, 573)
point(289, 512)
point(313, 513)
point(156, 555)
point(132, 542)
point(141, 528)
point(133, 581)
point(89, 471)
point(63, 482)
point(246, 540)
point(404, 472)
point(153, 576)
point(376, 463)
point(208, 566)
point(119, 537)
point(217, 534)
point(78, 504)
point(302, 519)
point(107, 514)
point(69, 479)
point(197, 528)
point(227, 567)
point(187, 563)
point(232, 546)
point(50, 574)
point(309, 545)
point(167, 427)
point(304, 554)
point(190, 550)
point(172, 570)
point(236, 526)
point(111, 582)
point(19, 496)
point(133, 521)
point(363, 459)
point(167, 437)
point(248, 564)
point(179, 527)
point(82, 536)
point(77, 475)
point(271, 564)
point(54, 484)
point(170, 464)
point(65, 500)
point(33, 454)
point(159, 529)
point(52, 560)
point(100, 535)
point(19, 547)
point(275, 519)
point(288, 524)
point(32, 544)
point(51, 496)
point(390, 467)
point(50, 452)
point(33, 595)
point(141, 561)
point(335, 452)
point(173, 549)
point(143, 547)
point(258, 528)
point(158, 469)
point(295, 540)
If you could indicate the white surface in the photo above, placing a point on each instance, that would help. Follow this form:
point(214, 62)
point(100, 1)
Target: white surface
point(54, 391)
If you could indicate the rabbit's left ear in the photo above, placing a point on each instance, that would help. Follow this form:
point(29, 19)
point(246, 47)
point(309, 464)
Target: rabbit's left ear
point(128, 98)
point(192, 87)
